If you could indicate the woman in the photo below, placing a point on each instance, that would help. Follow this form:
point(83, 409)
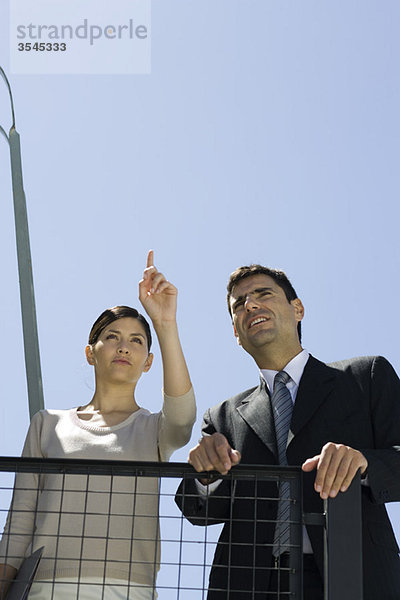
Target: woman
point(101, 534)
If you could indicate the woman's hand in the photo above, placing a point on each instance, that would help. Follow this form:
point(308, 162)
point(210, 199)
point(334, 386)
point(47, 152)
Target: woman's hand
point(157, 295)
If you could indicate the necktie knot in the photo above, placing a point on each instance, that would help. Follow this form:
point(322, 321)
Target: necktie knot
point(281, 377)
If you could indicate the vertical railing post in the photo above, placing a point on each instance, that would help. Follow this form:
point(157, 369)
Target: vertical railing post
point(343, 545)
point(296, 537)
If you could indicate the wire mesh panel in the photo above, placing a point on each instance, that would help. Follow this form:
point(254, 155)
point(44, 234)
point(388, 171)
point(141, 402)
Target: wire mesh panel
point(245, 503)
point(112, 530)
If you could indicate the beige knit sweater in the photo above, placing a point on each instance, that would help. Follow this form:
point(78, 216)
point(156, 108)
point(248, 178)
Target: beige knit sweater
point(94, 525)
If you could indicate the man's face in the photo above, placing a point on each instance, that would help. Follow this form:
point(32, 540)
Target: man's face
point(262, 315)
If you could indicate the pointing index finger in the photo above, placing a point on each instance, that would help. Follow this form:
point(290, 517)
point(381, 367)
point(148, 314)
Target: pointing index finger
point(150, 259)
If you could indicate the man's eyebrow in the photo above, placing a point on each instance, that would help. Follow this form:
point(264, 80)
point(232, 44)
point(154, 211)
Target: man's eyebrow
point(255, 291)
point(263, 289)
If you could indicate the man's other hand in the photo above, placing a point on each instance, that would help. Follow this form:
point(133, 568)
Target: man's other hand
point(336, 467)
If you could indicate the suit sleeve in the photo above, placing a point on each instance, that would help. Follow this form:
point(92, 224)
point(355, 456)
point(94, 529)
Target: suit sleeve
point(384, 458)
point(200, 510)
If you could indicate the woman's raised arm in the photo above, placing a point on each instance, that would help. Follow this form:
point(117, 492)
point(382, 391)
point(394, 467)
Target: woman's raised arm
point(159, 299)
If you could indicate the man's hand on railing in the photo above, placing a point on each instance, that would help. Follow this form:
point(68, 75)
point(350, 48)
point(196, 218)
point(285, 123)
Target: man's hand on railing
point(213, 453)
point(336, 467)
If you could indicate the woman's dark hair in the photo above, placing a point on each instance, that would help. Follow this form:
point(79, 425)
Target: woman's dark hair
point(112, 314)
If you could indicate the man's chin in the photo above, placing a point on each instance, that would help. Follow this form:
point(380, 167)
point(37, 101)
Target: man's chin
point(258, 341)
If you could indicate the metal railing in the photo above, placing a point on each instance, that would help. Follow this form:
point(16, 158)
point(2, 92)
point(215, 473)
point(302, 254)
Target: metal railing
point(107, 513)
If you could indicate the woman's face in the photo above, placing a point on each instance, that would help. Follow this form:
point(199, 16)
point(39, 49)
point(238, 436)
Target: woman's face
point(120, 354)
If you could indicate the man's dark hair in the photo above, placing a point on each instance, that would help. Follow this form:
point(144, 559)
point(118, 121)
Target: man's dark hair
point(279, 277)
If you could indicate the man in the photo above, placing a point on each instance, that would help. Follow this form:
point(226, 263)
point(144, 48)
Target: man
point(345, 418)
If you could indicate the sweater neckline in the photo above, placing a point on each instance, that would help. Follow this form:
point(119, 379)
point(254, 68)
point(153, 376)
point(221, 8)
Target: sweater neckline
point(89, 427)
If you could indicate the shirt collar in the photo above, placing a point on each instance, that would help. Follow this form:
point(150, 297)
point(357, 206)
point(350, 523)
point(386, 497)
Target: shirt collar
point(294, 369)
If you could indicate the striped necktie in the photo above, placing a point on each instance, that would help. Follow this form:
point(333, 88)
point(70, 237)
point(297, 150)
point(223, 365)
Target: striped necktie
point(282, 406)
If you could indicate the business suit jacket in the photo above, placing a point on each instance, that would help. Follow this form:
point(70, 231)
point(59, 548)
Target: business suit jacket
point(354, 402)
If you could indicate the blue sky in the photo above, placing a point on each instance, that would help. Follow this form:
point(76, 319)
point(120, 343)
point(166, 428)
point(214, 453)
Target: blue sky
point(267, 131)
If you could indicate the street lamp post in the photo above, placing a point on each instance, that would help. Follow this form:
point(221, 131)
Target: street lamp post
point(27, 294)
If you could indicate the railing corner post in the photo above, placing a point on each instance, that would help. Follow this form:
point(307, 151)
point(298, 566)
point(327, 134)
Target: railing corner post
point(343, 545)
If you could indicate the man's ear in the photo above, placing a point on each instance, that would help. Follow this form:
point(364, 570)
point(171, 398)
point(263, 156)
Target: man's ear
point(89, 354)
point(298, 308)
point(149, 362)
point(236, 335)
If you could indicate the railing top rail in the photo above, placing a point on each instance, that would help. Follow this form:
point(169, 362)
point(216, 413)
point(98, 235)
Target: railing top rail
point(149, 469)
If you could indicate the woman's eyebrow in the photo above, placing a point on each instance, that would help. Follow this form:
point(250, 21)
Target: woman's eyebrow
point(118, 331)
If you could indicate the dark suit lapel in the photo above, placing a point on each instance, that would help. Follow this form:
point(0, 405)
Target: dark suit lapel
point(256, 410)
point(316, 384)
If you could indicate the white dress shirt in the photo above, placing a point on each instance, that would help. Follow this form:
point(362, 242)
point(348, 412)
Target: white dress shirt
point(294, 369)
